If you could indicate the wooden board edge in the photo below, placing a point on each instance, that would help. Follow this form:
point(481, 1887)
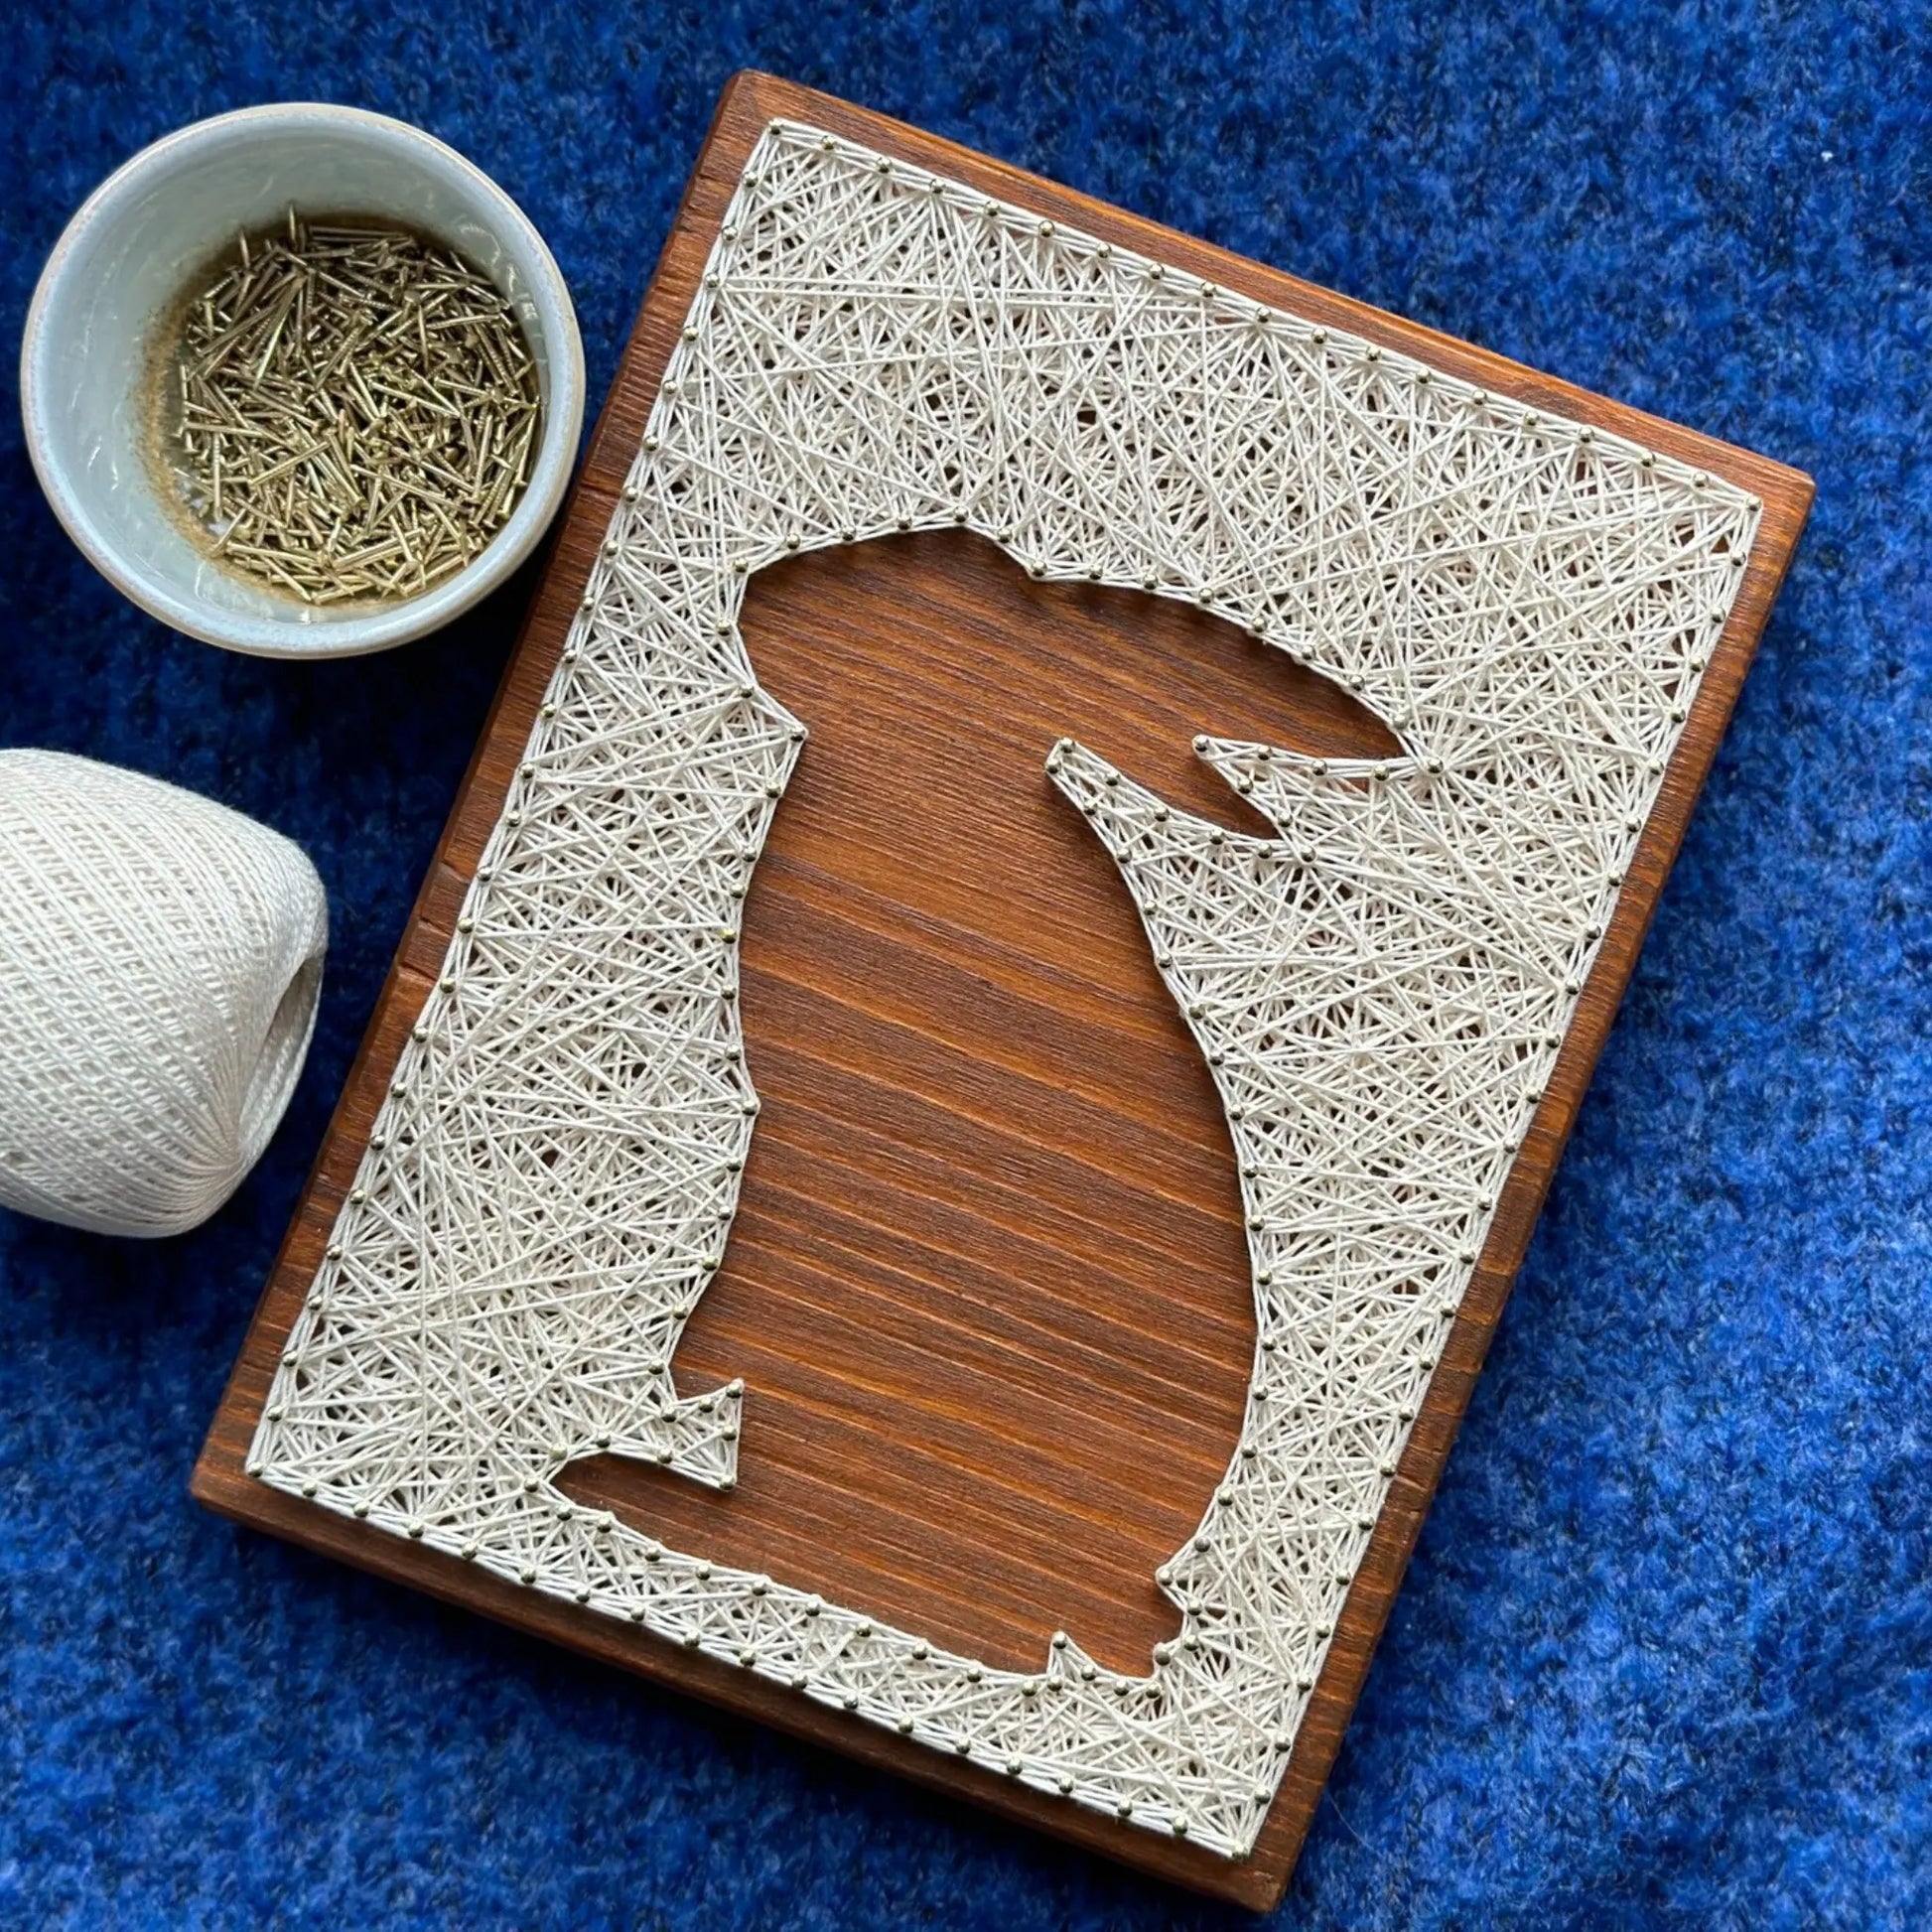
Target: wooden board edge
point(737, 1691)
point(749, 103)
point(1371, 1598)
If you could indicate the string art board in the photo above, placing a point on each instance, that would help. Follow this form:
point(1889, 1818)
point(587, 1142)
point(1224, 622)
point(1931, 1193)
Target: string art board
point(984, 1040)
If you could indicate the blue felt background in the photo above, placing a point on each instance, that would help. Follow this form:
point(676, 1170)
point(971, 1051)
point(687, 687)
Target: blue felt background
point(1665, 1653)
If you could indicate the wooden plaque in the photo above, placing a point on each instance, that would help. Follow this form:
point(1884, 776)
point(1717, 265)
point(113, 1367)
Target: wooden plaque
point(988, 1283)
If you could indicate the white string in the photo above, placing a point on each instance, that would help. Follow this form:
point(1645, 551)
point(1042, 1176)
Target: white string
point(1380, 989)
point(160, 963)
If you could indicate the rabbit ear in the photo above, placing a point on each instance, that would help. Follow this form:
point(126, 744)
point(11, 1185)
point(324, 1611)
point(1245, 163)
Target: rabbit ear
point(1122, 813)
point(1299, 794)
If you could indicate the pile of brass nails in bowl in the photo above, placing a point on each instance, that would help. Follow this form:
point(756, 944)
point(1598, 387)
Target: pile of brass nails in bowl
point(355, 411)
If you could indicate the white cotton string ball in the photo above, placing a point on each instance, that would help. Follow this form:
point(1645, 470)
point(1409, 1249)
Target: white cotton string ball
point(160, 964)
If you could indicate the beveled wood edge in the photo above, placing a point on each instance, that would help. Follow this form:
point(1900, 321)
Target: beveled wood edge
point(750, 101)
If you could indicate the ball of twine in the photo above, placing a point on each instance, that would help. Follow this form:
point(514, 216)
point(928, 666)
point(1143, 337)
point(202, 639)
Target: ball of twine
point(160, 964)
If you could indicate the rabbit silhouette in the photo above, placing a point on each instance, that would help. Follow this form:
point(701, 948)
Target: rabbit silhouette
point(987, 1280)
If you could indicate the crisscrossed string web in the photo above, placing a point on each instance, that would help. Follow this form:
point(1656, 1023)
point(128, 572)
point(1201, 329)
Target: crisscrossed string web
point(1380, 989)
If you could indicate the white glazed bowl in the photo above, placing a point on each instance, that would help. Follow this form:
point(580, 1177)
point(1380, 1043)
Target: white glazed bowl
point(124, 259)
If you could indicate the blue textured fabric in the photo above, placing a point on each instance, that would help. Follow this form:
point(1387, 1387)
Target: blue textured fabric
point(1665, 1654)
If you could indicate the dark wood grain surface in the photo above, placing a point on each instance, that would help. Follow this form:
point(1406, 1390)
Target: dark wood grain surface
point(987, 1285)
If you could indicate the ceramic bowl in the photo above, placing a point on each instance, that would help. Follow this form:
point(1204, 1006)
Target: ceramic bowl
point(157, 223)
